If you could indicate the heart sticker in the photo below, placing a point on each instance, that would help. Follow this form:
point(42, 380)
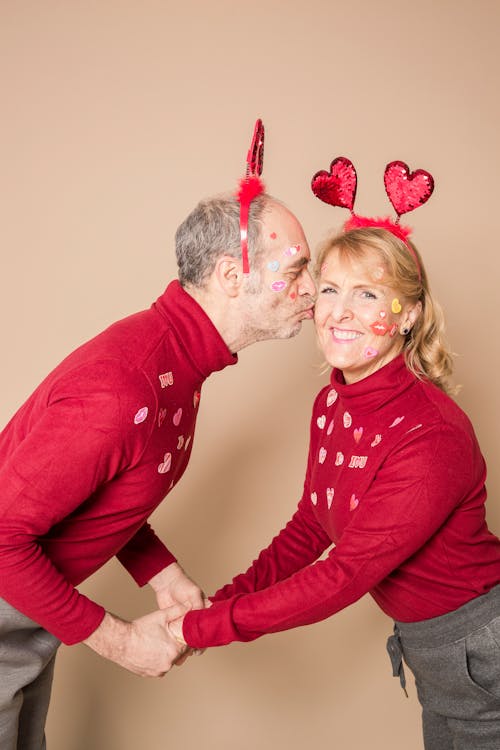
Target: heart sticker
point(396, 306)
point(338, 186)
point(370, 352)
point(330, 492)
point(274, 265)
point(332, 397)
point(405, 189)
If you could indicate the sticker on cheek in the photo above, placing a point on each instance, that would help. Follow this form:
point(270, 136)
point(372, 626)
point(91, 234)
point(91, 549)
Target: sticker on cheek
point(396, 306)
point(293, 295)
point(370, 352)
point(393, 330)
point(293, 250)
point(379, 328)
point(382, 314)
point(274, 265)
point(273, 235)
point(278, 286)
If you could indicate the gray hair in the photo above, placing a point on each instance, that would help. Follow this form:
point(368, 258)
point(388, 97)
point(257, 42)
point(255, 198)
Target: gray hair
point(212, 229)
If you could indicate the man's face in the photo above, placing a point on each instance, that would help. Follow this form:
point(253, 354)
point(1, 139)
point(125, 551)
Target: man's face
point(286, 292)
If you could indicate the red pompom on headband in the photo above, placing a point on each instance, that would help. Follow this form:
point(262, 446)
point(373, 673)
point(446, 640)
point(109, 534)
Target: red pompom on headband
point(250, 186)
point(406, 191)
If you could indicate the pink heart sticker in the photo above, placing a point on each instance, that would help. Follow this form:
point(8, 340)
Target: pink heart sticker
point(354, 502)
point(370, 352)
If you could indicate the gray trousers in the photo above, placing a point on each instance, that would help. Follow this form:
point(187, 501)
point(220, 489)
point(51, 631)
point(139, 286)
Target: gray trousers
point(27, 656)
point(455, 659)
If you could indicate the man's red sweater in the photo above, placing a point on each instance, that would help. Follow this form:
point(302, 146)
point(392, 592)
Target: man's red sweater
point(92, 453)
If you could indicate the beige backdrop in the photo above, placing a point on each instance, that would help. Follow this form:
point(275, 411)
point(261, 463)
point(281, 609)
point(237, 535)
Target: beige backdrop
point(116, 117)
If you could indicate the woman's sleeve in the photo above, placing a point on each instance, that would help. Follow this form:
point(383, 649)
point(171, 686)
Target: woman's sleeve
point(414, 492)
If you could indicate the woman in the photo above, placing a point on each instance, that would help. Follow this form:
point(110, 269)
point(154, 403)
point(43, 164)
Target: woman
point(395, 479)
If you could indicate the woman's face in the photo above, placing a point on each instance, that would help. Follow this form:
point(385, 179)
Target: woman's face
point(358, 318)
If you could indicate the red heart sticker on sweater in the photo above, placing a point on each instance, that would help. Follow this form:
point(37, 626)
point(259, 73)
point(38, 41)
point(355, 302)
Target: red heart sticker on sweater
point(338, 186)
point(407, 190)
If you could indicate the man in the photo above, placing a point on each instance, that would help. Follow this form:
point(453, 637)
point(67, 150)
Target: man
point(106, 436)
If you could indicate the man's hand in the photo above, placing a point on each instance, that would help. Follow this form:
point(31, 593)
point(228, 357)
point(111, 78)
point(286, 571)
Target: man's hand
point(144, 646)
point(173, 587)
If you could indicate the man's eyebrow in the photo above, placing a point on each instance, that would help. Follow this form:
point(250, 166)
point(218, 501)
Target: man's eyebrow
point(299, 263)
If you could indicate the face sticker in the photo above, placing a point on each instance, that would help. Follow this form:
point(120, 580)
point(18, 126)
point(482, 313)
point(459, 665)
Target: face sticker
point(379, 328)
point(323, 268)
point(278, 286)
point(273, 235)
point(274, 265)
point(293, 250)
point(370, 352)
point(378, 273)
point(293, 295)
point(393, 330)
point(141, 415)
point(396, 306)
point(382, 314)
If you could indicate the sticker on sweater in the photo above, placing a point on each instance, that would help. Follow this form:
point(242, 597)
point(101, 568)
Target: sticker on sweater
point(330, 428)
point(166, 464)
point(177, 417)
point(332, 397)
point(358, 462)
point(397, 421)
point(347, 419)
point(322, 455)
point(166, 379)
point(321, 421)
point(141, 415)
point(330, 492)
point(161, 416)
point(339, 458)
point(354, 502)
point(376, 440)
point(358, 434)
point(180, 442)
point(314, 498)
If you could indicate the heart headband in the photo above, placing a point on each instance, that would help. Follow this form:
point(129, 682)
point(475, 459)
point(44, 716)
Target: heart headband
point(250, 186)
point(406, 191)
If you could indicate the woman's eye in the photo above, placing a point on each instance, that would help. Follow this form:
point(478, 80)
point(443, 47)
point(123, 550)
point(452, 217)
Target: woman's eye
point(366, 294)
point(327, 290)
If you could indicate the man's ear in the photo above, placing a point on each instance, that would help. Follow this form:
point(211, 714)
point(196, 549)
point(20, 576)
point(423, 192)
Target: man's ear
point(229, 275)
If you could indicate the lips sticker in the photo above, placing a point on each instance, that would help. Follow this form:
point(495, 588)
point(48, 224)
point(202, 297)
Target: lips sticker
point(278, 286)
point(166, 464)
point(379, 328)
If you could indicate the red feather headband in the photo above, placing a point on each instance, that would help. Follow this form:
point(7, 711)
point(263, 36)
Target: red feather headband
point(406, 191)
point(250, 186)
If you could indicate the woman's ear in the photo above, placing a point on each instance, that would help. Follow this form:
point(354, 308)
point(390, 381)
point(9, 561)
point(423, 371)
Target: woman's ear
point(412, 313)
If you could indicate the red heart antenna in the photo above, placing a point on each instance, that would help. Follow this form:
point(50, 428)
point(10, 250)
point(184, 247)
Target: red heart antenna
point(407, 190)
point(250, 187)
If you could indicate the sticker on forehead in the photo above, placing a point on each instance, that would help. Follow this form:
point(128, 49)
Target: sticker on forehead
point(278, 286)
point(323, 268)
point(396, 306)
point(293, 250)
point(274, 265)
point(378, 273)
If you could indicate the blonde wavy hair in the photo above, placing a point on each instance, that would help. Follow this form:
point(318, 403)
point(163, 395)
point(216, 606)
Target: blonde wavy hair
point(425, 350)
